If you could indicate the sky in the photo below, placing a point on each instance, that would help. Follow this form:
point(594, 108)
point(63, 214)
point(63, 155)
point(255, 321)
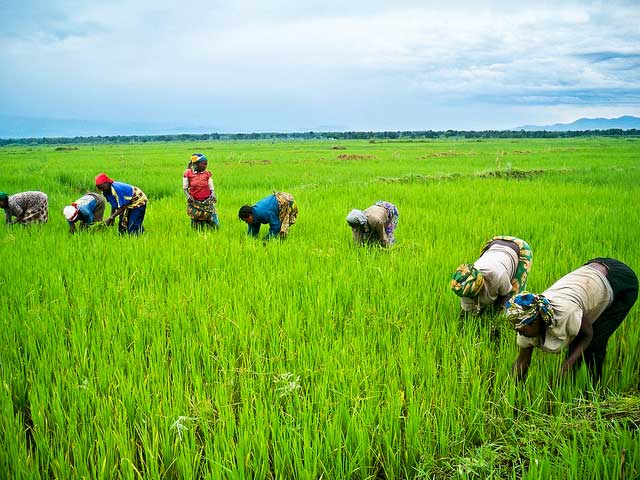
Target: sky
point(295, 65)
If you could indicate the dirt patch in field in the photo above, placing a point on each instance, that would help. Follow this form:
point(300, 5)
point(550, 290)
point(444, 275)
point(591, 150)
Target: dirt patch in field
point(338, 147)
point(345, 156)
point(511, 174)
point(255, 162)
point(440, 154)
point(518, 174)
point(417, 178)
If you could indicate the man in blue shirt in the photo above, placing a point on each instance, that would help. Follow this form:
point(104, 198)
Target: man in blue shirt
point(278, 210)
point(85, 211)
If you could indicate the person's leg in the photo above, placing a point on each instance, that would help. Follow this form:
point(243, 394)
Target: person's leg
point(136, 217)
point(624, 285)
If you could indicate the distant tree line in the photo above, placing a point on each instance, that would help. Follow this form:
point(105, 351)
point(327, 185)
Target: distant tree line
point(371, 136)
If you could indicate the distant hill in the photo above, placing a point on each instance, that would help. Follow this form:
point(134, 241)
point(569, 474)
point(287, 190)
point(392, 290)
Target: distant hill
point(624, 123)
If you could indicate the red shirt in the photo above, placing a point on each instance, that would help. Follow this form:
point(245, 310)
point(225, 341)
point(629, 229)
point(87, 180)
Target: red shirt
point(198, 184)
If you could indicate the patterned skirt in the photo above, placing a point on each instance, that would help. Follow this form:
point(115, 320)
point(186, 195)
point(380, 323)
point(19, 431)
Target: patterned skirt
point(525, 258)
point(287, 211)
point(203, 211)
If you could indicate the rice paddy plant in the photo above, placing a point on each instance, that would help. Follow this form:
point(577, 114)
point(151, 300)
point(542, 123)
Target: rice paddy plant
point(184, 354)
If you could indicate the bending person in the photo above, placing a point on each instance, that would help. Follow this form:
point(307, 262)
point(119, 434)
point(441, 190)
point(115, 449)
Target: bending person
point(127, 202)
point(375, 225)
point(500, 272)
point(580, 311)
point(201, 198)
point(279, 211)
point(26, 207)
point(85, 211)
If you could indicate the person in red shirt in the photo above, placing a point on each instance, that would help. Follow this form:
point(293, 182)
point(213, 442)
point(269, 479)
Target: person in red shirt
point(201, 197)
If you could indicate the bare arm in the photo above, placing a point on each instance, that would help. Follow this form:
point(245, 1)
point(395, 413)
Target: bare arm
point(378, 227)
point(213, 193)
point(521, 365)
point(117, 212)
point(579, 345)
point(185, 187)
point(357, 235)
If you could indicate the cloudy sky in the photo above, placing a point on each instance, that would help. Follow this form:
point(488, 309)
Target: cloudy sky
point(294, 65)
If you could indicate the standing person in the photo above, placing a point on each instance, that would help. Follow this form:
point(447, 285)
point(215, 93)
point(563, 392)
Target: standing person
point(26, 207)
point(580, 311)
point(127, 202)
point(500, 272)
point(201, 198)
point(376, 224)
point(85, 211)
point(278, 210)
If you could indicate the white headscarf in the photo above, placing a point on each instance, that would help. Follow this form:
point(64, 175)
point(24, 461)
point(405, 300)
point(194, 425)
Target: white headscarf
point(70, 212)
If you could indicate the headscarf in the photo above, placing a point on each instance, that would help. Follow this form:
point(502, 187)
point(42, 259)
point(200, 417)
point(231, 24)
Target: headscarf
point(467, 281)
point(102, 178)
point(4, 196)
point(356, 217)
point(522, 309)
point(196, 158)
point(71, 212)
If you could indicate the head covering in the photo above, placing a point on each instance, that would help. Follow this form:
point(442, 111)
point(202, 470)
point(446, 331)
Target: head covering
point(356, 218)
point(522, 309)
point(197, 158)
point(4, 196)
point(102, 178)
point(71, 212)
point(467, 281)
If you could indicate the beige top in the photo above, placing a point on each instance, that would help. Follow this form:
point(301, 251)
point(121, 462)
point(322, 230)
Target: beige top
point(376, 218)
point(498, 266)
point(583, 293)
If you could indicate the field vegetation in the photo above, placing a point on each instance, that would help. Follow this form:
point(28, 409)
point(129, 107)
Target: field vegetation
point(184, 354)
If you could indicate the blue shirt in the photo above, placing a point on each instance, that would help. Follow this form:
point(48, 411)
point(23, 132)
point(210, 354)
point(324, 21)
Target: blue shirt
point(120, 195)
point(86, 206)
point(265, 211)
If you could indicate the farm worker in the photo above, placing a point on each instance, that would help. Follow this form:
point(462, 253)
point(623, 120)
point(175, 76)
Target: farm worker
point(278, 210)
point(580, 311)
point(84, 211)
point(374, 225)
point(26, 207)
point(201, 198)
point(500, 272)
point(127, 202)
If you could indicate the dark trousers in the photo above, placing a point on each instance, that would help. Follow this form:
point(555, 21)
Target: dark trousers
point(624, 284)
point(131, 221)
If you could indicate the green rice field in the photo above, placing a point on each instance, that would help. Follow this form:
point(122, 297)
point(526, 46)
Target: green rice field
point(186, 354)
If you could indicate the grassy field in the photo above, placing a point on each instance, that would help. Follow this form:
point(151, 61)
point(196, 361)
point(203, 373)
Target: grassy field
point(182, 354)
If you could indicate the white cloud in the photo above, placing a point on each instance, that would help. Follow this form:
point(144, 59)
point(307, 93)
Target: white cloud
point(247, 57)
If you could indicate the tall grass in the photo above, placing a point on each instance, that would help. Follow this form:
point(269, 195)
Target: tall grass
point(186, 354)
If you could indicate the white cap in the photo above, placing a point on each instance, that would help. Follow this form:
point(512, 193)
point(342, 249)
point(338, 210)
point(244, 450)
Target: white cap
point(70, 212)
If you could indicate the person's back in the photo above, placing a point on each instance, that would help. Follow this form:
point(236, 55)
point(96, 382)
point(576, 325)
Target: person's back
point(581, 294)
point(498, 265)
point(28, 207)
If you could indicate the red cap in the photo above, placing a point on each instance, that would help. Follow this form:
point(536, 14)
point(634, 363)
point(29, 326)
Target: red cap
point(102, 178)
